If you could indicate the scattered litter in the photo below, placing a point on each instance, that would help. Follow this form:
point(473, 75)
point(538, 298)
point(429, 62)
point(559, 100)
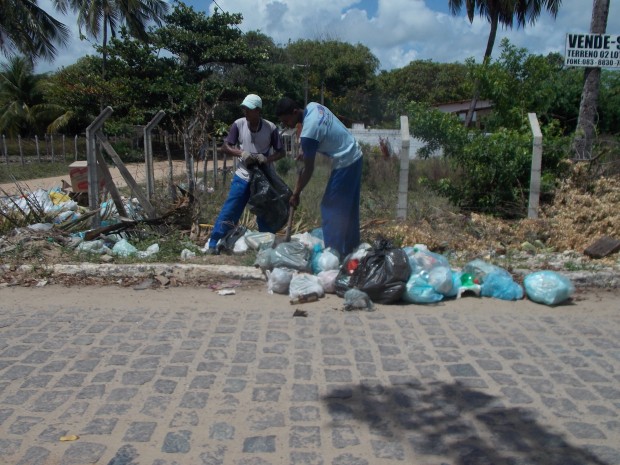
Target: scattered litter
point(187, 254)
point(124, 249)
point(300, 313)
point(70, 437)
point(226, 292)
point(305, 298)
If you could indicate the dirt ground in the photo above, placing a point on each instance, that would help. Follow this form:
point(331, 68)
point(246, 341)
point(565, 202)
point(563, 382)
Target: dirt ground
point(584, 301)
point(137, 170)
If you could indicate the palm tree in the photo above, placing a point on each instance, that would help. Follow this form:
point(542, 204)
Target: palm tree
point(27, 29)
point(97, 17)
point(505, 12)
point(21, 97)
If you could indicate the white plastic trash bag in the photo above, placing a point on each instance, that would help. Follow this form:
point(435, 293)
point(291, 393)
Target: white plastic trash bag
point(328, 280)
point(150, 251)
point(308, 240)
point(97, 246)
point(304, 284)
point(326, 259)
point(258, 240)
point(278, 280)
point(440, 277)
point(187, 254)
point(241, 246)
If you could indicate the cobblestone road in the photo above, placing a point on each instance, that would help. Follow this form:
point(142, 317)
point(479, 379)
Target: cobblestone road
point(184, 376)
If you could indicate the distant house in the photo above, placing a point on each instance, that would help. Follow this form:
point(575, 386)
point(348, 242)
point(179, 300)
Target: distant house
point(461, 107)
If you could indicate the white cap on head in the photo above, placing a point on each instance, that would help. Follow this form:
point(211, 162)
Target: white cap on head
point(252, 101)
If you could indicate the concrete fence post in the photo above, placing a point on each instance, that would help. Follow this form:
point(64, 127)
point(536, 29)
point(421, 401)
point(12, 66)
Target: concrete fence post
point(403, 178)
point(148, 153)
point(91, 163)
point(532, 209)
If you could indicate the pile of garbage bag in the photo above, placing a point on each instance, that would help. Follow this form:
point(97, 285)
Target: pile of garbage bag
point(382, 273)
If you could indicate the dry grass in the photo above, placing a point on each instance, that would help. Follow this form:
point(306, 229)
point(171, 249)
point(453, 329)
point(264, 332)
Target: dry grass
point(582, 211)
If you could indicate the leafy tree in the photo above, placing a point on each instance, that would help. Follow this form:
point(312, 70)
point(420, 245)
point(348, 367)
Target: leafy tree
point(422, 81)
point(503, 12)
point(79, 89)
point(97, 17)
point(519, 83)
point(23, 109)
point(28, 30)
point(609, 105)
point(212, 56)
point(140, 83)
point(203, 45)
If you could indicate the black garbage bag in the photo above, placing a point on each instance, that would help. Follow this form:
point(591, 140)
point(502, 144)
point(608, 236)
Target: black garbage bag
point(269, 196)
point(227, 243)
point(383, 273)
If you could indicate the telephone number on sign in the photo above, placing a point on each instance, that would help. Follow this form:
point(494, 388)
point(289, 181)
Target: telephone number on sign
point(593, 62)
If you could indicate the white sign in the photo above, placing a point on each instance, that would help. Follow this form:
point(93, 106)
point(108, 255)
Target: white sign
point(592, 50)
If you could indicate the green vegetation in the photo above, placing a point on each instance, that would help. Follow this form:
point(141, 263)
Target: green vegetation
point(209, 65)
point(16, 172)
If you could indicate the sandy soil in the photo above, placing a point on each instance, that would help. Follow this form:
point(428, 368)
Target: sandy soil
point(137, 170)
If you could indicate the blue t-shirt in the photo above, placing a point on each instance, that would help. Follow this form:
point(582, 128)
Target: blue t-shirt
point(325, 133)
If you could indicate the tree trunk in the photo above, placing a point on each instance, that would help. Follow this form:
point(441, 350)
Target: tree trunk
point(104, 53)
point(586, 124)
point(485, 62)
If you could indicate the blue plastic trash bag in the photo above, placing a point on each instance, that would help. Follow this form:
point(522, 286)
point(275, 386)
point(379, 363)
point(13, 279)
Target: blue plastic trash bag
point(424, 260)
point(440, 277)
point(318, 233)
point(479, 269)
point(500, 285)
point(324, 259)
point(548, 287)
point(419, 291)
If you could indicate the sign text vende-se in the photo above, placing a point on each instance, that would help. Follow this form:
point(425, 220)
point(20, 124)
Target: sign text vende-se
point(592, 50)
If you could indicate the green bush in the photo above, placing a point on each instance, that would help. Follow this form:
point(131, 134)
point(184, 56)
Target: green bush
point(491, 172)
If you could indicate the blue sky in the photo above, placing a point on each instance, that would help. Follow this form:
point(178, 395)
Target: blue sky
point(396, 31)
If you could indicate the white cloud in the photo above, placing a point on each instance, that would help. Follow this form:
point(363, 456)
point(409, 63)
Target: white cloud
point(400, 31)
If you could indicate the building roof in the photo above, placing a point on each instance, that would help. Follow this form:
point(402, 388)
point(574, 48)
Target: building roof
point(463, 106)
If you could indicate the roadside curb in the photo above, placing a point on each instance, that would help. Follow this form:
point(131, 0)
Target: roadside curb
point(580, 279)
point(177, 270)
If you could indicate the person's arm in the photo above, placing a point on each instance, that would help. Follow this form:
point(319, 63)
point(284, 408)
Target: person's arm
point(309, 148)
point(230, 145)
point(277, 145)
point(275, 156)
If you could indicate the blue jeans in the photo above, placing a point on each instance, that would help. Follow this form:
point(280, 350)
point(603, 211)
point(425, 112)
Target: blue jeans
point(340, 209)
point(232, 210)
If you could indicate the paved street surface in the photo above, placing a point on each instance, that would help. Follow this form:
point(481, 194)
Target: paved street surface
point(187, 377)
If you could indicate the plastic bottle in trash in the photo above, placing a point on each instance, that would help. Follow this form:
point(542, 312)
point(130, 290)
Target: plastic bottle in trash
point(469, 284)
point(352, 265)
point(305, 298)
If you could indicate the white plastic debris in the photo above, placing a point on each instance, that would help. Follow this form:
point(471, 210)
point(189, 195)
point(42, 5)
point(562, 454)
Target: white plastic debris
point(187, 254)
